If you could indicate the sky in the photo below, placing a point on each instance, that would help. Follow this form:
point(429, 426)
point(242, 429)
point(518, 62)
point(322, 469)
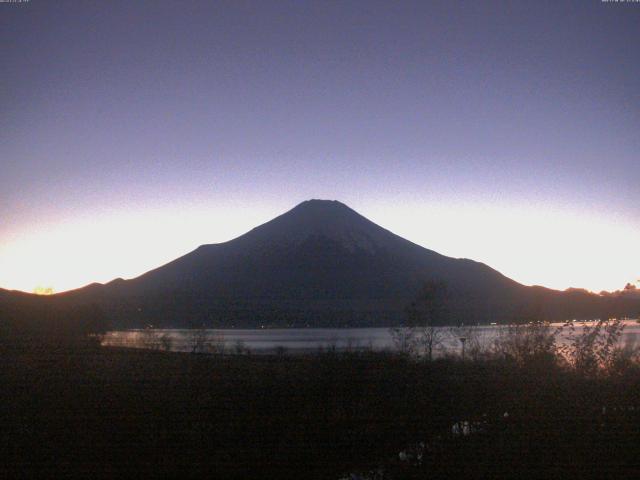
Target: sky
point(133, 131)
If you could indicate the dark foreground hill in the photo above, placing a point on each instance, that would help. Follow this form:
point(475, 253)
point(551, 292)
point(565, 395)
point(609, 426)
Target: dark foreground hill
point(323, 264)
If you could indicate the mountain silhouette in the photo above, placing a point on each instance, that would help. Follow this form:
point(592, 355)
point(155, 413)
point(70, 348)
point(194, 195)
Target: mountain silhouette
point(323, 264)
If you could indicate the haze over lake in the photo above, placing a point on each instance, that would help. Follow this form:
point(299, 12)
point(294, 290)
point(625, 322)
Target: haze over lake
point(305, 340)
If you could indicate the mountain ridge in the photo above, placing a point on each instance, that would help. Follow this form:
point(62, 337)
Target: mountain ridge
point(323, 264)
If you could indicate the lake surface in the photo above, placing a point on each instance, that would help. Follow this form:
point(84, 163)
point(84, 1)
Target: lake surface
point(304, 340)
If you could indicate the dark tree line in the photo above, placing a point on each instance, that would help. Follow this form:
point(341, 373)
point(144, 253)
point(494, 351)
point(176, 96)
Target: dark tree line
point(43, 324)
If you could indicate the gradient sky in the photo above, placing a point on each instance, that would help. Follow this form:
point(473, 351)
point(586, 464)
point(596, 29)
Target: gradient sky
point(506, 132)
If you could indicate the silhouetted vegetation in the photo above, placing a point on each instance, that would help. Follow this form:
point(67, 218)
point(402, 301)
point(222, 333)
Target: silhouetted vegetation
point(48, 325)
point(521, 408)
point(427, 314)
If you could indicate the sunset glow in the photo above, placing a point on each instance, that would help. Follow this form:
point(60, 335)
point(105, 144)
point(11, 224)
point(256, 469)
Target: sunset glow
point(321, 239)
point(474, 130)
point(550, 248)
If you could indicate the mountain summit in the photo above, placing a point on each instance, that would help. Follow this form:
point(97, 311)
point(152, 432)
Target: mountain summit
point(328, 219)
point(321, 264)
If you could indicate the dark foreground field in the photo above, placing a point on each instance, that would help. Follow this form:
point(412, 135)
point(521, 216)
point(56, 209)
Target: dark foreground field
point(107, 413)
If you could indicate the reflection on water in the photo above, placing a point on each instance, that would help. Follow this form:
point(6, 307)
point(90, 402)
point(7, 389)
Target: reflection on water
point(300, 340)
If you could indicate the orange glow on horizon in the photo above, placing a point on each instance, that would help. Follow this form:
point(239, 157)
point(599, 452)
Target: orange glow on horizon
point(43, 291)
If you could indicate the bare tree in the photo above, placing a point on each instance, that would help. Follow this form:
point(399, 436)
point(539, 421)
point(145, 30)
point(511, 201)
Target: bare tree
point(596, 347)
point(150, 338)
point(217, 344)
point(167, 342)
point(427, 314)
point(476, 342)
point(404, 339)
point(526, 343)
point(197, 339)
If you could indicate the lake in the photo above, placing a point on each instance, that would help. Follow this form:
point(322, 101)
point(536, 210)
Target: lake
point(304, 340)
